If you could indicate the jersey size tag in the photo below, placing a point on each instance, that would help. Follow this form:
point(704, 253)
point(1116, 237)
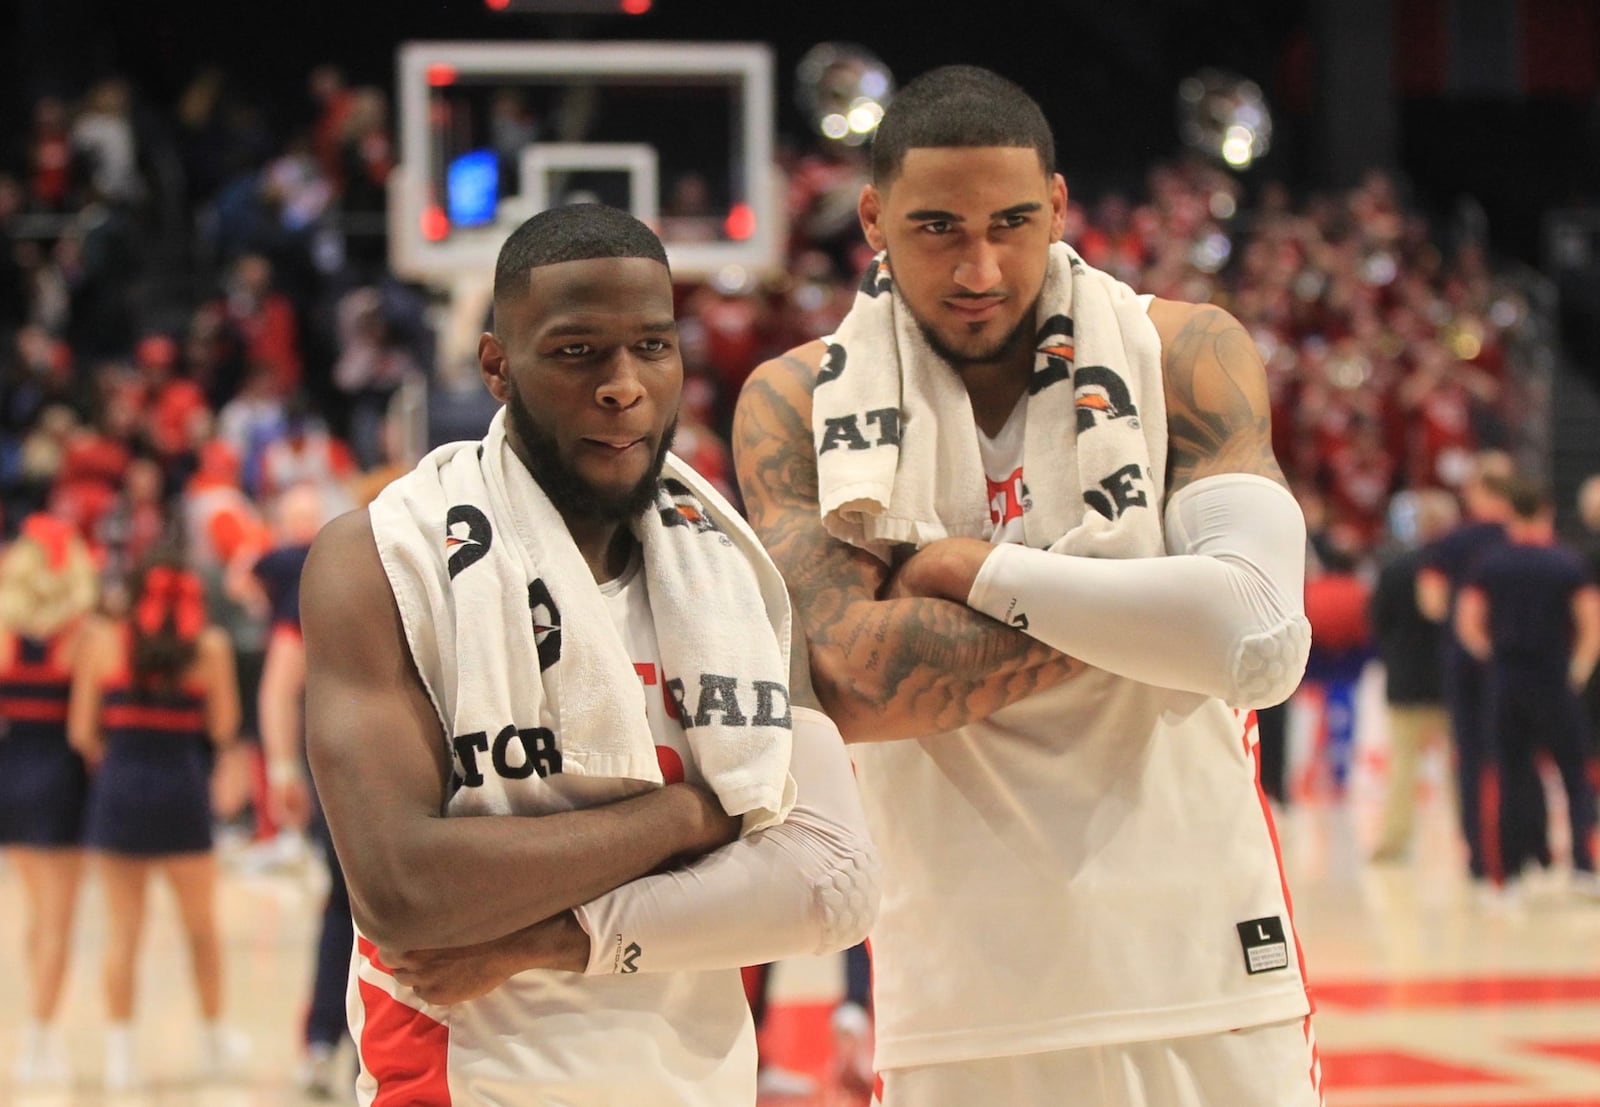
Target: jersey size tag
point(1265, 948)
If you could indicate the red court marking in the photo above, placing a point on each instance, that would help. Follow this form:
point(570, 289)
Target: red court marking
point(1573, 1051)
point(1481, 991)
point(1387, 1068)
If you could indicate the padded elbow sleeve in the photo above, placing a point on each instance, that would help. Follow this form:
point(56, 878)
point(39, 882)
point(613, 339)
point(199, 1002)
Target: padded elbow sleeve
point(1255, 527)
point(1222, 615)
point(808, 885)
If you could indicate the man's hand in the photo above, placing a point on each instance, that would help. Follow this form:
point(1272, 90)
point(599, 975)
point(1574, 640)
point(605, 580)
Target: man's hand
point(447, 976)
point(943, 569)
point(715, 827)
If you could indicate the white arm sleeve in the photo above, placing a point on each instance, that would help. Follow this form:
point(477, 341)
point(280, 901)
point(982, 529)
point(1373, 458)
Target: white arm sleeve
point(1223, 614)
point(808, 885)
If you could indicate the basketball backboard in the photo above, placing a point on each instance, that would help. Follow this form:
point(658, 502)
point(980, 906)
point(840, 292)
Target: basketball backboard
point(681, 134)
point(553, 172)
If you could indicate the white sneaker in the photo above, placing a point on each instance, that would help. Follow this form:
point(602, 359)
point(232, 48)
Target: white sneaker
point(1505, 898)
point(283, 853)
point(317, 1070)
point(42, 1060)
point(121, 1073)
point(783, 1083)
point(223, 1052)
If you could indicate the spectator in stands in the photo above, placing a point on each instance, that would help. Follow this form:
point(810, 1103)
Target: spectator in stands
point(307, 453)
point(366, 152)
point(135, 523)
point(103, 136)
point(373, 364)
point(49, 158)
point(100, 261)
point(95, 460)
point(265, 321)
point(213, 354)
point(13, 277)
point(175, 417)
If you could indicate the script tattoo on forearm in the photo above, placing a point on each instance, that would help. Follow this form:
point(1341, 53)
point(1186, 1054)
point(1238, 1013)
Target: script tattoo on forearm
point(1218, 418)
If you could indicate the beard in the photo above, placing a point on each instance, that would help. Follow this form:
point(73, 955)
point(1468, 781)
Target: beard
point(570, 493)
point(1021, 336)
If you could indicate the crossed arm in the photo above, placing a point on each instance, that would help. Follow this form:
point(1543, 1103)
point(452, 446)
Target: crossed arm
point(886, 665)
point(419, 880)
point(907, 653)
point(458, 905)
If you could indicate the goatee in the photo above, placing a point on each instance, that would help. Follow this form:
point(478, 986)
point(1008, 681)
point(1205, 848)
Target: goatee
point(1022, 335)
point(570, 493)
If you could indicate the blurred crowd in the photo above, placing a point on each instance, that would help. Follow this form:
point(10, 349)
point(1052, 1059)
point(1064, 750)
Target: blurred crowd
point(178, 284)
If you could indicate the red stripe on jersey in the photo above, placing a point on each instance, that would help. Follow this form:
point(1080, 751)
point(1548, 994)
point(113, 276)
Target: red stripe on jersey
point(33, 711)
point(1253, 750)
point(1316, 1060)
point(404, 1050)
point(138, 717)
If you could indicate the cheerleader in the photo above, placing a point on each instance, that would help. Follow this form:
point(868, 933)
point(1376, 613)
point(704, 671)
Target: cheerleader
point(154, 697)
point(47, 586)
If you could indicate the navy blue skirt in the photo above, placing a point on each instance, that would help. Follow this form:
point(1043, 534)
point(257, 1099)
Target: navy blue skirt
point(43, 788)
point(151, 798)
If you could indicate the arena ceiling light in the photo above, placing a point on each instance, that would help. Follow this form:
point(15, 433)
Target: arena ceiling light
point(1224, 116)
point(843, 88)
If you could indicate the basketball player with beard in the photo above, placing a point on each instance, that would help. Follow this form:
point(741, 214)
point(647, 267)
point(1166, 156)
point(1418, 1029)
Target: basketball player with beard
point(580, 941)
point(1046, 564)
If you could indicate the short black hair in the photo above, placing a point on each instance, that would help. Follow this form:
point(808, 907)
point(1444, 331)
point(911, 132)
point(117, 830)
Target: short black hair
point(959, 105)
point(1528, 497)
point(575, 232)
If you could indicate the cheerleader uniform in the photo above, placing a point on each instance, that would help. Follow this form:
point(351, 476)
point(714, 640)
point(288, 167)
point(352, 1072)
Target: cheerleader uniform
point(43, 782)
point(151, 795)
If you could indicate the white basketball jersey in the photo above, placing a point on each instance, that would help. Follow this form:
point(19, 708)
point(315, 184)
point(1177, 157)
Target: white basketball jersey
point(544, 1039)
point(1092, 865)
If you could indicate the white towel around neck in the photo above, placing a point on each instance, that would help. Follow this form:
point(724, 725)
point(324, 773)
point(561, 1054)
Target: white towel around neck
point(509, 628)
point(897, 450)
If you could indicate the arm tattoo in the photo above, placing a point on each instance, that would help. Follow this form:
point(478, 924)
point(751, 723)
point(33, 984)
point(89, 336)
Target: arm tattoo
point(918, 666)
point(1218, 415)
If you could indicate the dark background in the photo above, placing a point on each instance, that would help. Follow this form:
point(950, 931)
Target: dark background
point(1458, 96)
